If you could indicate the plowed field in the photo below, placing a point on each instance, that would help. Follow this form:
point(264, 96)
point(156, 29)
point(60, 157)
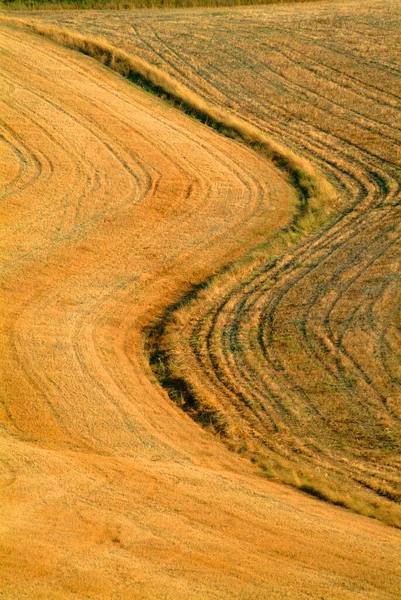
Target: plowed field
point(113, 206)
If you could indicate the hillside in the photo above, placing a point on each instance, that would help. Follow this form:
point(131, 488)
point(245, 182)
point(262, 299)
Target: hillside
point(300, 361)
point(115, 205)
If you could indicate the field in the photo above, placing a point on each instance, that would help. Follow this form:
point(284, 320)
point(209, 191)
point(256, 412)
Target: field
point(308, 389)
point(44, 5)
point(121, 215)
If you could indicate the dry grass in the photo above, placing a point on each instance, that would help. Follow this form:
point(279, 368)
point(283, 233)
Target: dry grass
point(293, 362)
point(303, 353)
point(113, 204)
point(43, 5)
point(317, 197)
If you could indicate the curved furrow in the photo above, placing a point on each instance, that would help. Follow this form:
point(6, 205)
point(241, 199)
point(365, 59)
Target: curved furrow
point(114, 491)
point(96, 459)
point(279, 359)
point(23, 173)
point(247, 376)
point(257, 378)
point(314, 265)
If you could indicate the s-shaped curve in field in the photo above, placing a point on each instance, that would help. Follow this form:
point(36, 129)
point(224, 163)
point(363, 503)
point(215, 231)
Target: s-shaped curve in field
point(111, 207)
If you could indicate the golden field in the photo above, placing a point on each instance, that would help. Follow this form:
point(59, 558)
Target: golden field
point(301, 372)
point(116, 207)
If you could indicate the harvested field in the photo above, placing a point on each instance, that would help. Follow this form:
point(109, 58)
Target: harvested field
point(300, 361)
point(114, 206)
point(44, 5)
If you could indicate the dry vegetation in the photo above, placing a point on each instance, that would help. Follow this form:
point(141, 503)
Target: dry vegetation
point(316, 197)
point(44, 5)
point(113, 206)
point(298, 367)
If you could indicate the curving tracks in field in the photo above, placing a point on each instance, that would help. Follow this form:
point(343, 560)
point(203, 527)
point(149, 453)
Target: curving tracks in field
point(305, 352)
point(112, 208)
point(76, 177)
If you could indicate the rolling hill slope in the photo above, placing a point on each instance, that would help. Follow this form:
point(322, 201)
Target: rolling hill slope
point(301, 359)
point(112, 206)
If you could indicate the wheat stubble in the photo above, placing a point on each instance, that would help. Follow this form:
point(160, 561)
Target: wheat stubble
point(113, 207)
point(300, 360)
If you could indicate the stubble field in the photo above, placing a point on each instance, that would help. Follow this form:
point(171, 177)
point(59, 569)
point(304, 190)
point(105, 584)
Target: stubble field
point(298, 366)
point(115, 206)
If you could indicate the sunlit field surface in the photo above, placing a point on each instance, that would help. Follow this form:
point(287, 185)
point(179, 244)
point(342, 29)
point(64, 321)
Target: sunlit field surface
point(148, 418)
point(298, 360)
